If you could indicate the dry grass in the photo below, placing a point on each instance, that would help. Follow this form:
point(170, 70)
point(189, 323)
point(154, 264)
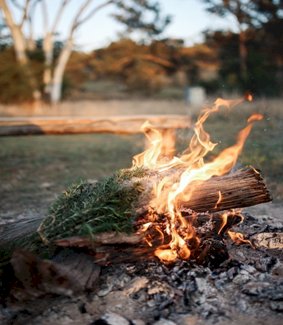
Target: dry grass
point(33, 170)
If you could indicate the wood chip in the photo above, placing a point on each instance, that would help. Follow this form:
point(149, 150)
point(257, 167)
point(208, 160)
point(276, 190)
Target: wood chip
point(268, 240)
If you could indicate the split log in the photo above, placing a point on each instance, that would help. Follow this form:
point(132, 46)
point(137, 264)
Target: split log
point(241, 189)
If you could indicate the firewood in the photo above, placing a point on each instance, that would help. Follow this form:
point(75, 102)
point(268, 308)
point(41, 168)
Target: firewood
point(240, 189)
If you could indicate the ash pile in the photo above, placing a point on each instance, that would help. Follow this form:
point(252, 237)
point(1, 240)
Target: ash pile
point(247, 287)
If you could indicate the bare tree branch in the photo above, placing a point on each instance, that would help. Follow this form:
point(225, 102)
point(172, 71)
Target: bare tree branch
point(78, 15)
point(17, 5)
point(25, 13)
point(93, 12)
point(45, 19)
point(59, 15)
point(30, 39)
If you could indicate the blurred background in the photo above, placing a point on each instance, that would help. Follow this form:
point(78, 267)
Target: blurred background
point(132, 57)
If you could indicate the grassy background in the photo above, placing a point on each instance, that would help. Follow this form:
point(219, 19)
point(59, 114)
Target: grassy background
point(34, 169)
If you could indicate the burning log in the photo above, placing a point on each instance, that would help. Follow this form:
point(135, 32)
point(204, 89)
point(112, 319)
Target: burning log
point(241, 189)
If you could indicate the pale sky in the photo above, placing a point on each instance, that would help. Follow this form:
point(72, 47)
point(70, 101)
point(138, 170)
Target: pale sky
point(189, 19)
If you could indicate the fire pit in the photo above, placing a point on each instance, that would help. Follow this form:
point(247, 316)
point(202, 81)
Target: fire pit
point(169, 234)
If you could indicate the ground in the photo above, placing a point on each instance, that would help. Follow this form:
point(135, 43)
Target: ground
point(35, 169)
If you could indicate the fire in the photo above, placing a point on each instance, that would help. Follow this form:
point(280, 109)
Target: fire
point(238, 238)
point(175, 232)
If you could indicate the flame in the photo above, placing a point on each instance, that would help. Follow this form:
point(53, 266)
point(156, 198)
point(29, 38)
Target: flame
point(238, 238)
point(219, 199)
point(171, 190)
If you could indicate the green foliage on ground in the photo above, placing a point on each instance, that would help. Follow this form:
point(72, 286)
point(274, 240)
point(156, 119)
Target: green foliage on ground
point(87, 209)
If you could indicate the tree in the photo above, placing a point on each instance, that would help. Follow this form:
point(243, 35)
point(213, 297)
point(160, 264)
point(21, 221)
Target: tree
point(254, 18)
point(134, 14)
point(238, 9)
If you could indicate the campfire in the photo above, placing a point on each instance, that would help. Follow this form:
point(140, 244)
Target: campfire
point(170, 208)
point(162, 207)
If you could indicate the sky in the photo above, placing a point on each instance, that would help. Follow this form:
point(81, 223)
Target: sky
point(189, 19)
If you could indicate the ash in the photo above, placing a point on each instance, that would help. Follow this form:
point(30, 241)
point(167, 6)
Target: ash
point(245, 289)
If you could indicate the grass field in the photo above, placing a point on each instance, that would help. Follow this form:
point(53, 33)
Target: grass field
point(34, 169)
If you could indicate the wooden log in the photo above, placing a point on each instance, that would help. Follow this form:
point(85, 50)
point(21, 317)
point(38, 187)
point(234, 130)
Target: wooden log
point(76, 125)
point(240, 189)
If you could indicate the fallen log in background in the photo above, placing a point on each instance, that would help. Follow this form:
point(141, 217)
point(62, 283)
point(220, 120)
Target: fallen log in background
point(128, 124)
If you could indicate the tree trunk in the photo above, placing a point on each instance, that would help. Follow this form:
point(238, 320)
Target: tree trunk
point(20, 46)
point(243, 54)
point(48, 54)
point(56, 91)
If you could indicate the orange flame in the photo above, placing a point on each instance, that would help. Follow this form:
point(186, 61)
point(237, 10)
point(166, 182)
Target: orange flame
point(238, 238)
point(169, 192)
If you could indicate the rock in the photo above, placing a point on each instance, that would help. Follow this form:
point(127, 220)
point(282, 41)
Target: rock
point(255, 288)
point(164, 321)
point(105, 290)
point(241, 279)
point(111, 319)
point(137, 322)
point(278, 270)
point(264, 264)
point(136, 285)
point(276, 306)
point(248, 268)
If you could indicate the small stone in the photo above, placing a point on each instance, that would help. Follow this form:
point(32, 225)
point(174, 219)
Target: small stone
point(255, 288)
point(276, 306)
point(248, 268)
point(163, 321)
point(137, 322)
point(242, 305)
point(278, 270)
point(151, 303)
point(136, 285)
point(104, 292)
point(219, 284)
point(112, 319)
point(241, 279)
point(201, 284)
point(265, 264)
point(223, 275)
point(231, 273)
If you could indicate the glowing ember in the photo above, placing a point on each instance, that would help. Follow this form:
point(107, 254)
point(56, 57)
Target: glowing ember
point(175, 232)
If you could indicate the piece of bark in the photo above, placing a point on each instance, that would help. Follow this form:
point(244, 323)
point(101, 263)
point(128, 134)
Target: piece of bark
point(67, 274)
point(268, 240)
